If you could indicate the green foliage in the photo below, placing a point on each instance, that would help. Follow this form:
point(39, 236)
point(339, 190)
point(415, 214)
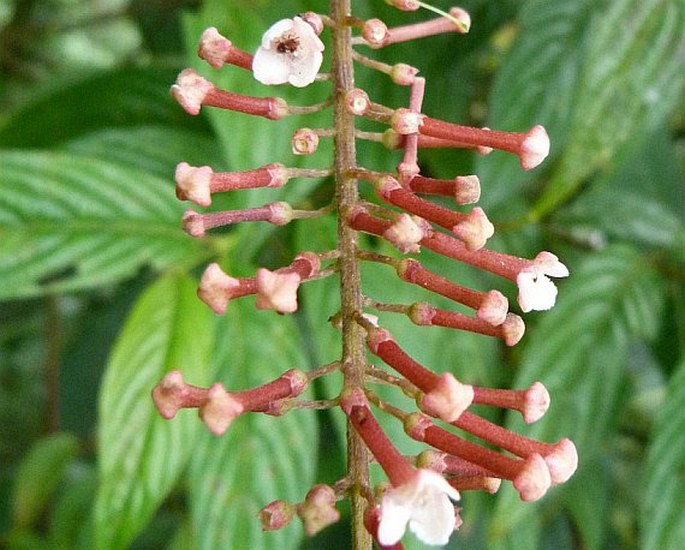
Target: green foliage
point(261, 458)
point(90, 235)
point(664, 483)
point(38, 476)
point(141, 456)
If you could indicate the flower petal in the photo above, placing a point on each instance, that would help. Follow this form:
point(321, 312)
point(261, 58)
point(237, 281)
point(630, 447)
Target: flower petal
point(268, 67)
point(393, 520)
point(290, 52)
point(433, 521)
point(536, 292)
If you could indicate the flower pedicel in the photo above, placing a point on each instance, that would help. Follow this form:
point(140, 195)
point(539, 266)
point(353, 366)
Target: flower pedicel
point(421, 491)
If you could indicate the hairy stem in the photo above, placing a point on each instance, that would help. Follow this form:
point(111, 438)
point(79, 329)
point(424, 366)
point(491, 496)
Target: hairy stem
point(353, 360)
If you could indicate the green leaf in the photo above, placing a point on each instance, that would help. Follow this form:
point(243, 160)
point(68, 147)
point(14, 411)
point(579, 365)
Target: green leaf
point(663, 511)
point(155, 149)
point(125, 97)
point(594, 74)
point(540, 72)
point(579, 352)
point(72, 521)
point(643, 201)
point(69, 222)
point(633, 74)
point(142, 455)
point(260, 458)
point(38, 476)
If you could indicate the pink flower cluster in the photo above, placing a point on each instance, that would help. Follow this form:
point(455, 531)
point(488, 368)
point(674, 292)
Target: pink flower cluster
point(422, 490)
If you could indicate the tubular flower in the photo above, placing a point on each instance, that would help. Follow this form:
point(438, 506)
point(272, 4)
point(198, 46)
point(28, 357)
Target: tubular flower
point(424, 504)
point(410, 214)
point(291, 52)
point(536, 290)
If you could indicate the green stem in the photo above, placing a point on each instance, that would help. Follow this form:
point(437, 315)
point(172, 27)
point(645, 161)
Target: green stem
point(353, 356)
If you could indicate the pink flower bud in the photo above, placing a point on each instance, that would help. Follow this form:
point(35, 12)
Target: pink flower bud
point(218, 50)
point(314, 20)
point(535, 402)
point(466, 189)
point(463, 17)
point(534, 148)
point(448, 399)
point(281, 213)
point(562, 461)
point(167, 394)
point(494, 308)
point(318, 510)
point(404, 5)
point(374, 32)
point(406, 233)
point(190, 90)
point(216, 288)
point(357, 101)
point(277, 291)
point(406, 121)
point(193, 223)
point(513, 328)
point(276, 515)
point(193, 183)
point(403, 75)
point(475, 229)
point(214, 47)
point(533, 480)
point(305, 141)
point(220, 409)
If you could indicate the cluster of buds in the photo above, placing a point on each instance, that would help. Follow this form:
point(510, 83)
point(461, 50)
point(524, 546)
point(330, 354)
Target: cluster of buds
point(421, 490)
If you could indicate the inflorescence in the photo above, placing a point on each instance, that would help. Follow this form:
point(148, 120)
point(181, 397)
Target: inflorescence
point(421, 489)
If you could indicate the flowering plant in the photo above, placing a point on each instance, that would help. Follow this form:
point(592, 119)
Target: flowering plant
point(420, 498)
point(360, 259)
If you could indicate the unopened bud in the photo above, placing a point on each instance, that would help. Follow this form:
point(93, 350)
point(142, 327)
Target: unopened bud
point(190, 90)
point(475, 229)
point(513, 328)
point(403, 75)
point(277, 291)
point(406, 121)
point(315, 21)
point(318, 509)
point(214, 47)
point(216, 288)
point(404, 5)
point(305, 141)
point(276, 515)
point(466, 189)
point(357, 101)
point(374, 32)
point(220, 409)
point(448, 399)
point(533, 480)
point(281, 213)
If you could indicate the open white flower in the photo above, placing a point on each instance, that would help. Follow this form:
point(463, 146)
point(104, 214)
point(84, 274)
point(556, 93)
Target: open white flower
point(536, 290)
point(424, 504)
point(290, 52)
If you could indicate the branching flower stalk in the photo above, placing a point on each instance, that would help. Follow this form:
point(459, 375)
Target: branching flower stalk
point(422, 490)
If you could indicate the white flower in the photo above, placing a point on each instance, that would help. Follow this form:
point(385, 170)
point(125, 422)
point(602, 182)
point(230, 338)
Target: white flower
point(423, 503)
point(290, 52)
point(536, 291)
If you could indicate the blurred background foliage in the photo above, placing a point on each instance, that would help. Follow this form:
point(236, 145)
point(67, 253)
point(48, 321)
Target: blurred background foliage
point(98, 280)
